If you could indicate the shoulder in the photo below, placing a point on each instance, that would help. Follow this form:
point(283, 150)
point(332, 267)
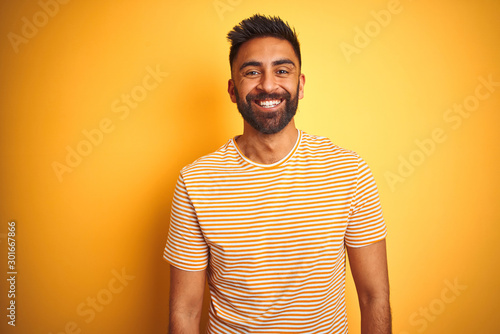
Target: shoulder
point(222, 158)
point(323, 147)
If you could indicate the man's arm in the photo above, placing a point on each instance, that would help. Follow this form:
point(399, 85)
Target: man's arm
point(186, 300)
point(369, 270)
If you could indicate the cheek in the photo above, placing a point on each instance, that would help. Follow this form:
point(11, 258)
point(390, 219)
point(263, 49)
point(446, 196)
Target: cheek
point(248, 85)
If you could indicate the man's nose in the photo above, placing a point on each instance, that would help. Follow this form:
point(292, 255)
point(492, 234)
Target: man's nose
point(268, 83)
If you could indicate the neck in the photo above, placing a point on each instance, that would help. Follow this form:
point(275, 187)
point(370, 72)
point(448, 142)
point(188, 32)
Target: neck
point(267, 148)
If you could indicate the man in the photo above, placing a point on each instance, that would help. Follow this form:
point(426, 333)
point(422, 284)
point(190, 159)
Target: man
point(267, 218)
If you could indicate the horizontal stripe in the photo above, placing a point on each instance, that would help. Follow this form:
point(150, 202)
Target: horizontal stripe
point(273, 237)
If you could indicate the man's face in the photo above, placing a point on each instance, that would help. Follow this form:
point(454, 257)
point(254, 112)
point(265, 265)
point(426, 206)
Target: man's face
point(266, 83)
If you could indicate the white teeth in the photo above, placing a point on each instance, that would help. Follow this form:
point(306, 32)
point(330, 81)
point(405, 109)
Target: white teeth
point(269, 103)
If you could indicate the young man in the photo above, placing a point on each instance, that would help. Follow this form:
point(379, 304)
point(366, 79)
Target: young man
point(268, 217)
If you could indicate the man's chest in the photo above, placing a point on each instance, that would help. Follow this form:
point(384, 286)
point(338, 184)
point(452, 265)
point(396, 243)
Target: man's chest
point(280, 214)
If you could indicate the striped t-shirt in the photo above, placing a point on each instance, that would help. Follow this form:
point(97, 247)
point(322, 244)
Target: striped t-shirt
point(273, 237)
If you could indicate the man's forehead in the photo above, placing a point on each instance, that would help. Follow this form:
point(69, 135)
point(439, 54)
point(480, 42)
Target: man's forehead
point(277, 62)
point(266, 50)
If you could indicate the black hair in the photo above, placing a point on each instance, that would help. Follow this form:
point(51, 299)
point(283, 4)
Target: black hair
point(261, 26)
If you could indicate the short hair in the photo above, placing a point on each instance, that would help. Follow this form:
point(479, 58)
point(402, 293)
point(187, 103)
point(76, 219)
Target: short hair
point(261, 26)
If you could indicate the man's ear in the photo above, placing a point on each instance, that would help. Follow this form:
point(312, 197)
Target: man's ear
point(230, 90)
point(302, 82)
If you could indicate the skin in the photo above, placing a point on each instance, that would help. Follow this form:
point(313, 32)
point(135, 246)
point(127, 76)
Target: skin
point(269, 65)
point(369, 270)
point(267, 73)
point(186, 300)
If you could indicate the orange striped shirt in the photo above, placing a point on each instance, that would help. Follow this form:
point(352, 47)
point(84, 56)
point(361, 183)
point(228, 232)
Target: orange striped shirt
point(273, 237)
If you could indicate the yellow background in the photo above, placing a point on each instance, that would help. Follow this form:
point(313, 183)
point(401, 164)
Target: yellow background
point(110, 213)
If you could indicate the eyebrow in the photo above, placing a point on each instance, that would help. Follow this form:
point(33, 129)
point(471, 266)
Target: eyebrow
point(274, 63)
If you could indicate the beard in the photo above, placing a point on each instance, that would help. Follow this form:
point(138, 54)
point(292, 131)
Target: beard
point(268, 122)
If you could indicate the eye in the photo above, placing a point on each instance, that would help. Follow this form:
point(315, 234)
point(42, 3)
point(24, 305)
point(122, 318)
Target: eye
point(251, 73)
point(282, 72)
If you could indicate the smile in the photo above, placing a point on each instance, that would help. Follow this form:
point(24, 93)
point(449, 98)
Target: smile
point(268, 103)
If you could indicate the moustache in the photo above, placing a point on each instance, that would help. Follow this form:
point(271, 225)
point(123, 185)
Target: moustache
point(264, 96)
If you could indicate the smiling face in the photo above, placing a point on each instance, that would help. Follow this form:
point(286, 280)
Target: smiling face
point(266, 83)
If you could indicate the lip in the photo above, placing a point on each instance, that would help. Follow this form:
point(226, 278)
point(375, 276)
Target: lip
point(268, 108)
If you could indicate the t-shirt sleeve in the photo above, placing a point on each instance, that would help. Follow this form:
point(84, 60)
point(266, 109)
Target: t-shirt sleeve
point(186, 247)
point(366, 223)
